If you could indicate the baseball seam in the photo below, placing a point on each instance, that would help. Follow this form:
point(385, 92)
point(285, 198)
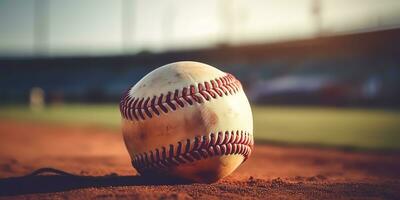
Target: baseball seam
point(140, 108)
point(201, 147)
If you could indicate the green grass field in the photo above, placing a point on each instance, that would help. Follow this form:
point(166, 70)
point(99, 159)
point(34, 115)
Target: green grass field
point(354, 128)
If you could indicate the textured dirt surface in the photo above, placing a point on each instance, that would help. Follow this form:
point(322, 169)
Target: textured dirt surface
point(88, 162)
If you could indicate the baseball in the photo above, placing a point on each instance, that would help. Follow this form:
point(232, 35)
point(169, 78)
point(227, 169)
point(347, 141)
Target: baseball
point(188, 120)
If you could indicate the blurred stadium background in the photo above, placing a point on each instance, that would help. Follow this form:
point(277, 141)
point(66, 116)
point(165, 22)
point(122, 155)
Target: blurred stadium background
point(318, 72)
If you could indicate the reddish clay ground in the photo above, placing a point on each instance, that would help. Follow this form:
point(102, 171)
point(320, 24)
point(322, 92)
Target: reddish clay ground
point(102, 170)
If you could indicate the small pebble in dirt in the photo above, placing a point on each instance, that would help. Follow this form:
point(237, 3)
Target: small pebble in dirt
point(251, 181)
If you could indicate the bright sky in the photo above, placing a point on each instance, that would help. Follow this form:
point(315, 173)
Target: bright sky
point(94, 27)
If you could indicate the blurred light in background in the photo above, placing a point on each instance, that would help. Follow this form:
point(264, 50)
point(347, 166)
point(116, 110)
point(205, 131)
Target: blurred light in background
point(330, 52)
point(100, 27)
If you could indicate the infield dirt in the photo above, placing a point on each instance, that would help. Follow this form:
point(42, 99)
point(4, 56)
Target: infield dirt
point(77, 162)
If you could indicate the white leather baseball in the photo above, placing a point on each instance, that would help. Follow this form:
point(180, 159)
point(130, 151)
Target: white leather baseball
point(189, 120)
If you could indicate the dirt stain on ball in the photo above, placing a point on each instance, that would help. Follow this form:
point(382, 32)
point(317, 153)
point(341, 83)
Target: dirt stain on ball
point(212, 117)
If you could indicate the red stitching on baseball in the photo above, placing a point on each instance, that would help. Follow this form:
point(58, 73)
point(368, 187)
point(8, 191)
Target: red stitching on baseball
point(201, 147)
point(135, 108)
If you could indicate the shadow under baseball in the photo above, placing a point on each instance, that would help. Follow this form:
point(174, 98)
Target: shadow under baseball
point(60, 181)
